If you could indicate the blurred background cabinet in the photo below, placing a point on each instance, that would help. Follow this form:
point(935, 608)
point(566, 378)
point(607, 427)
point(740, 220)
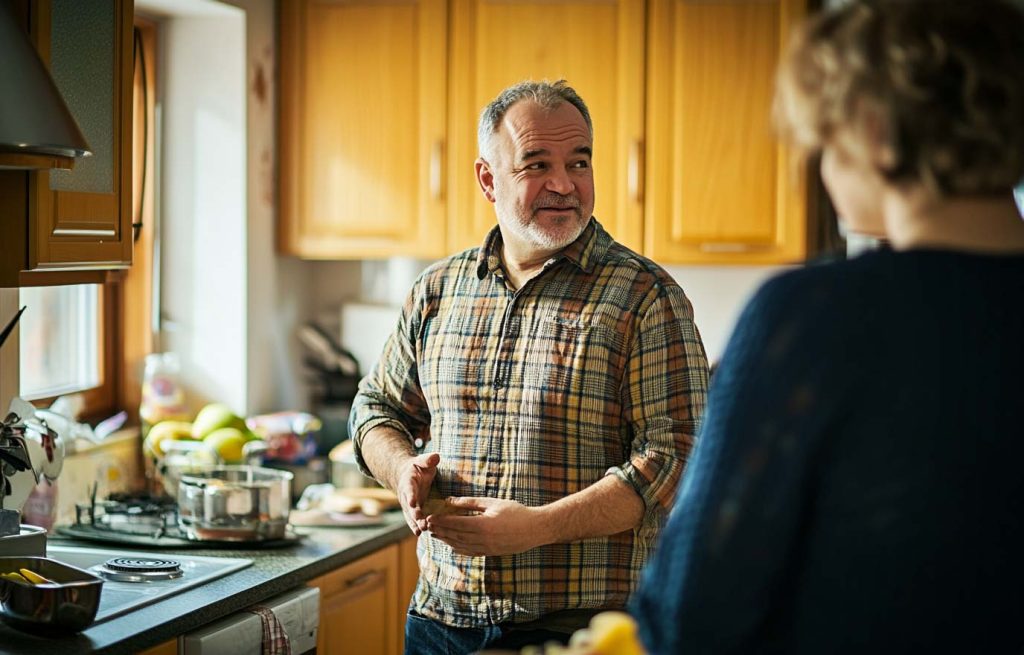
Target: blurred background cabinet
point(380, 102)
point(62, 227)
point(598, 47)
point(362, 133)
point(721, 188)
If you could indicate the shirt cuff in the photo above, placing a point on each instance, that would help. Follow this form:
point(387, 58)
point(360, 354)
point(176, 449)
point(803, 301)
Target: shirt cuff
point(654, 510)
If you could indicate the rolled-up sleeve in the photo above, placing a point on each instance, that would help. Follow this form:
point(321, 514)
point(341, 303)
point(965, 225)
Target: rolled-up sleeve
point(390, 394)
point(663, 396)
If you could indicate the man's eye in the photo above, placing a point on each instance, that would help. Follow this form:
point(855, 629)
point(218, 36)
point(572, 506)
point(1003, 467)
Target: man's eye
point(581, 164)
point(536, 166)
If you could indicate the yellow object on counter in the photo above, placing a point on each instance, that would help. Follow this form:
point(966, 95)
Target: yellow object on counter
point(614, 633)
point(609, 633)
point(14, 576)
point(35, 578)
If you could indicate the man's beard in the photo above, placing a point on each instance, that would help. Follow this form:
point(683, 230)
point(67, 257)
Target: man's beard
point(568, 230)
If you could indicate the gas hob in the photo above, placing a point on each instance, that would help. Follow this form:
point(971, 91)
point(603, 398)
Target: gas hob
point(132, 580)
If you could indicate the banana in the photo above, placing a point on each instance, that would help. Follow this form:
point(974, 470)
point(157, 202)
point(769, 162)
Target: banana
point(35, 578)
point(14, 576)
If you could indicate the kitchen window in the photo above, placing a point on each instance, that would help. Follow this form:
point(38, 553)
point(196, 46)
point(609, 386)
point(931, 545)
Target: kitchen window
point(60, 347)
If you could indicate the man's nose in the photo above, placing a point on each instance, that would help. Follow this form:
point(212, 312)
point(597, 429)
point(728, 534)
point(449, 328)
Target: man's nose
point(560, 182)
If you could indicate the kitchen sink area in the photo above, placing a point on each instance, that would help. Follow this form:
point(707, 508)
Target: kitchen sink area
point(132, 580)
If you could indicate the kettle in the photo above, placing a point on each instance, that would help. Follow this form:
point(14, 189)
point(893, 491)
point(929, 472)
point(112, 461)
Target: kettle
point(29, 450)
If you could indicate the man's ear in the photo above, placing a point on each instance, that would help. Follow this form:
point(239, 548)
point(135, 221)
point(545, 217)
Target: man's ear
point(485, 178)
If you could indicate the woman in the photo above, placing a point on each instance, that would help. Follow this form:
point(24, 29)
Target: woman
point(857, 486)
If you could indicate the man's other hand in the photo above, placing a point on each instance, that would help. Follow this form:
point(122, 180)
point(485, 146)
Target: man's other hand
point(495, 527)
point(413, 486)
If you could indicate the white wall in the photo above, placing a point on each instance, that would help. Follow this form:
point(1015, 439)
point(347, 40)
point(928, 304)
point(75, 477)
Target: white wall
point(717, 294)
point(230, 303)
point(203, 223)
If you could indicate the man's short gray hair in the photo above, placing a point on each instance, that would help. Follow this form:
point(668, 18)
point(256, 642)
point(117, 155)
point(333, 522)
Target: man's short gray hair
point(548, 95)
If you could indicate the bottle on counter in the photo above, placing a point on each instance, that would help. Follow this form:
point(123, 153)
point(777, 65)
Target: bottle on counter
point(163, 398)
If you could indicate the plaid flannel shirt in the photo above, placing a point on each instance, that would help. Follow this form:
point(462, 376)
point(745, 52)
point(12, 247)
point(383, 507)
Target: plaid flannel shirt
point(594, 367)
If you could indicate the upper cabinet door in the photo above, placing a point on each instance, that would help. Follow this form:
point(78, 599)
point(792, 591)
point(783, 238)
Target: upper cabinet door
point(598, 47)
point(362, 128)
point(721, 187)
point(72, 225)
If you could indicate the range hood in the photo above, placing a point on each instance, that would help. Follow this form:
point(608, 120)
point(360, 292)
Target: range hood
point(36, 128)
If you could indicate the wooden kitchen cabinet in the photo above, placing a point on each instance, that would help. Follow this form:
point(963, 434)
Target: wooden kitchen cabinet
point(380, 105)
point(598, 47)
point(362, 133)
point(357, 606)
point(720, 187)
point(166, 648)
point(65, 227)
point(408, 576)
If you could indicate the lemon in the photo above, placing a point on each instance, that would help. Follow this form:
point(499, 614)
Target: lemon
point(227, 443)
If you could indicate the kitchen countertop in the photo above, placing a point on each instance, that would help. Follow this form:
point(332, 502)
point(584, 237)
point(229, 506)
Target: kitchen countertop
point(272, 572)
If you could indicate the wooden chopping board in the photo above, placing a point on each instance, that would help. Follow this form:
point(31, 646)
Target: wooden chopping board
point(356, 506)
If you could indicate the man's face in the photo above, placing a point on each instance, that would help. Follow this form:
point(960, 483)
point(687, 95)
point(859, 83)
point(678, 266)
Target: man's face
point(541, 181)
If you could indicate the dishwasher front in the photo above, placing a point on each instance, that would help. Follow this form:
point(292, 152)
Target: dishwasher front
point(297, 612)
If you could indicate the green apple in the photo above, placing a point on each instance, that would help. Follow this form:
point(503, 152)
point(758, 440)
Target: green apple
point(214, 417)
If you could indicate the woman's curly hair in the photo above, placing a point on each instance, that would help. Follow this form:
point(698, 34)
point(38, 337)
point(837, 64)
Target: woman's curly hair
point(935, 85)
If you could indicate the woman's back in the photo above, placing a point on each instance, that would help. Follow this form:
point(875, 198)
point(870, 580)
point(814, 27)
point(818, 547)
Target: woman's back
point(856, 486)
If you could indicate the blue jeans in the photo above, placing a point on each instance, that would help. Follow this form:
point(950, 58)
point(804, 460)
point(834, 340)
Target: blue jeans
point(425, 636)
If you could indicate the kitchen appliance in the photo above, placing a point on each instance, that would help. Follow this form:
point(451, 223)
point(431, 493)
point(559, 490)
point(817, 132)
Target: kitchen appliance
point(297, 612)
point(36, 128)
point(148, 521)
point(235, 503)
point(132, 580)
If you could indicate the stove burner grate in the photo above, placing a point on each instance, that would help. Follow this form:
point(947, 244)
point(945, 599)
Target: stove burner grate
point(139, 569)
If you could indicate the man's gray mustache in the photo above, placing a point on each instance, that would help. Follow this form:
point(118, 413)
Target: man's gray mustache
point(558, 202)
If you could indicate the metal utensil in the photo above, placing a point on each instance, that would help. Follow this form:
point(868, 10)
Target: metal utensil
point(10, 325)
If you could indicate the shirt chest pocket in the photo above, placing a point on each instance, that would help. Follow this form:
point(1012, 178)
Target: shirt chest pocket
point(573, 370)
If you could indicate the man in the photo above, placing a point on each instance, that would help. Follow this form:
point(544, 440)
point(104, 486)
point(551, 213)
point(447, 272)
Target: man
point(556, 379)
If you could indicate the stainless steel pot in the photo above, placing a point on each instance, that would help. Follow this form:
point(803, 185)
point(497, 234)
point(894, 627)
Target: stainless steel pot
point(234, 503)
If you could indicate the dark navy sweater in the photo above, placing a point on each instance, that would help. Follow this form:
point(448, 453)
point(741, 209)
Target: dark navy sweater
point(858, 484)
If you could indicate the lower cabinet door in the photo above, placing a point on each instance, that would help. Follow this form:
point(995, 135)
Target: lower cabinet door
point(357, 606)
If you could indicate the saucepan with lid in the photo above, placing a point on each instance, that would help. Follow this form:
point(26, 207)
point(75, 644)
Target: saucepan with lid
point(234, 503)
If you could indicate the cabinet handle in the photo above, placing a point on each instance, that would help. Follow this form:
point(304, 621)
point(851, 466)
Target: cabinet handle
point(353, 588)
point(634, 179)
point(723, 246)
point(362, 580)
point(436, 159)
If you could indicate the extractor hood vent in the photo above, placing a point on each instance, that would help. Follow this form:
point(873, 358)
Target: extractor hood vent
point(36, 128)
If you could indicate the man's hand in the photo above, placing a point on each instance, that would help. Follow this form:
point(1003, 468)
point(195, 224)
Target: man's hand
point(412, 487)
point(498, 527)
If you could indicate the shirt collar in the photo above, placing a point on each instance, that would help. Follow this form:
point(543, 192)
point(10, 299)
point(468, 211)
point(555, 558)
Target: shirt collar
point(585, 252)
